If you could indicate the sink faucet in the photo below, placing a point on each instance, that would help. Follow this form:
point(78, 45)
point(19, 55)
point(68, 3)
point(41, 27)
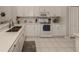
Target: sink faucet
point(11, 23)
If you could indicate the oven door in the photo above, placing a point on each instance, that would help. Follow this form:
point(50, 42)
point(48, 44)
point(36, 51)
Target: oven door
point(46, 30)
point(46, 27)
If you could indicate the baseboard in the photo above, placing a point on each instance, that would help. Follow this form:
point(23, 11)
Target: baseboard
point(55, 36)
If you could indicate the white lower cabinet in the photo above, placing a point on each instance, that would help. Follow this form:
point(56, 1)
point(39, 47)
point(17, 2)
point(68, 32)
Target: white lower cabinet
point(18, 44)
point(30, 29)
point(21, 42)
point(37, 30)
point(77, 44)
point(15, 47)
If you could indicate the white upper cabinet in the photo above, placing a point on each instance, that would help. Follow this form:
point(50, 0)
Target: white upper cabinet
point(20, 11)
point(25, 11)
point(28, 11)
point(50, 10)
point(36, 10)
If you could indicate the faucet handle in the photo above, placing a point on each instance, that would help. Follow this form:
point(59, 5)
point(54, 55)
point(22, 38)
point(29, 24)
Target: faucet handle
point(9, 25)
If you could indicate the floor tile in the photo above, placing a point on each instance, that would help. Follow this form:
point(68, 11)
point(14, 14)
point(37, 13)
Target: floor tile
point(54, 44)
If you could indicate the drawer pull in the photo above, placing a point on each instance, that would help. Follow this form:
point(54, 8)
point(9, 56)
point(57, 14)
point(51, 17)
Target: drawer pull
point(14, 45)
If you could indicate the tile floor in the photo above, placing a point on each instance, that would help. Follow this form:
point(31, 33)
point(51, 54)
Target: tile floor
point(53, 44)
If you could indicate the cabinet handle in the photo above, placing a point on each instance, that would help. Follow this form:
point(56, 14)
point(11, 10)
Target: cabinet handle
point(14, 45)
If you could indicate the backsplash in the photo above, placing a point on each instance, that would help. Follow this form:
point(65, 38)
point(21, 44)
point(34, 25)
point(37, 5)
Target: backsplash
point(41, 20)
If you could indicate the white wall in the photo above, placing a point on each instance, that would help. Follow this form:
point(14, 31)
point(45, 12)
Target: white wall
point(7, 11)
point(14, 13)
point(73, 20)
point(10, 12)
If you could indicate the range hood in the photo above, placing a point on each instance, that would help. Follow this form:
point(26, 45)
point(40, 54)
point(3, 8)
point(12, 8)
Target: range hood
point(44, 14)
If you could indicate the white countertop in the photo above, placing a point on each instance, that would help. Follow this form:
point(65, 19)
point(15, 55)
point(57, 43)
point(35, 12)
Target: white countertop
point(7, 39)
point(3, 25)
point(76, 34)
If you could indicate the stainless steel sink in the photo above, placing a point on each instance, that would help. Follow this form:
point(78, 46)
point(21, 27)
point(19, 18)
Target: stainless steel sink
point(15, 29)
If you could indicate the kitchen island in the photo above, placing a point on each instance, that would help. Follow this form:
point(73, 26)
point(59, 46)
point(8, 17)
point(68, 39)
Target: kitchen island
point(12, 41)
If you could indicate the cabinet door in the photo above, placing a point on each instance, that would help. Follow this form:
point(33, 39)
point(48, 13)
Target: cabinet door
point(36, 11)
point(11, 49)
point(58, 30)
point(20, 11)
point(21, 42)
point(28, 11)
point(37, 29)
point(33, 29)
point(30, 29)
point(16, 47)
